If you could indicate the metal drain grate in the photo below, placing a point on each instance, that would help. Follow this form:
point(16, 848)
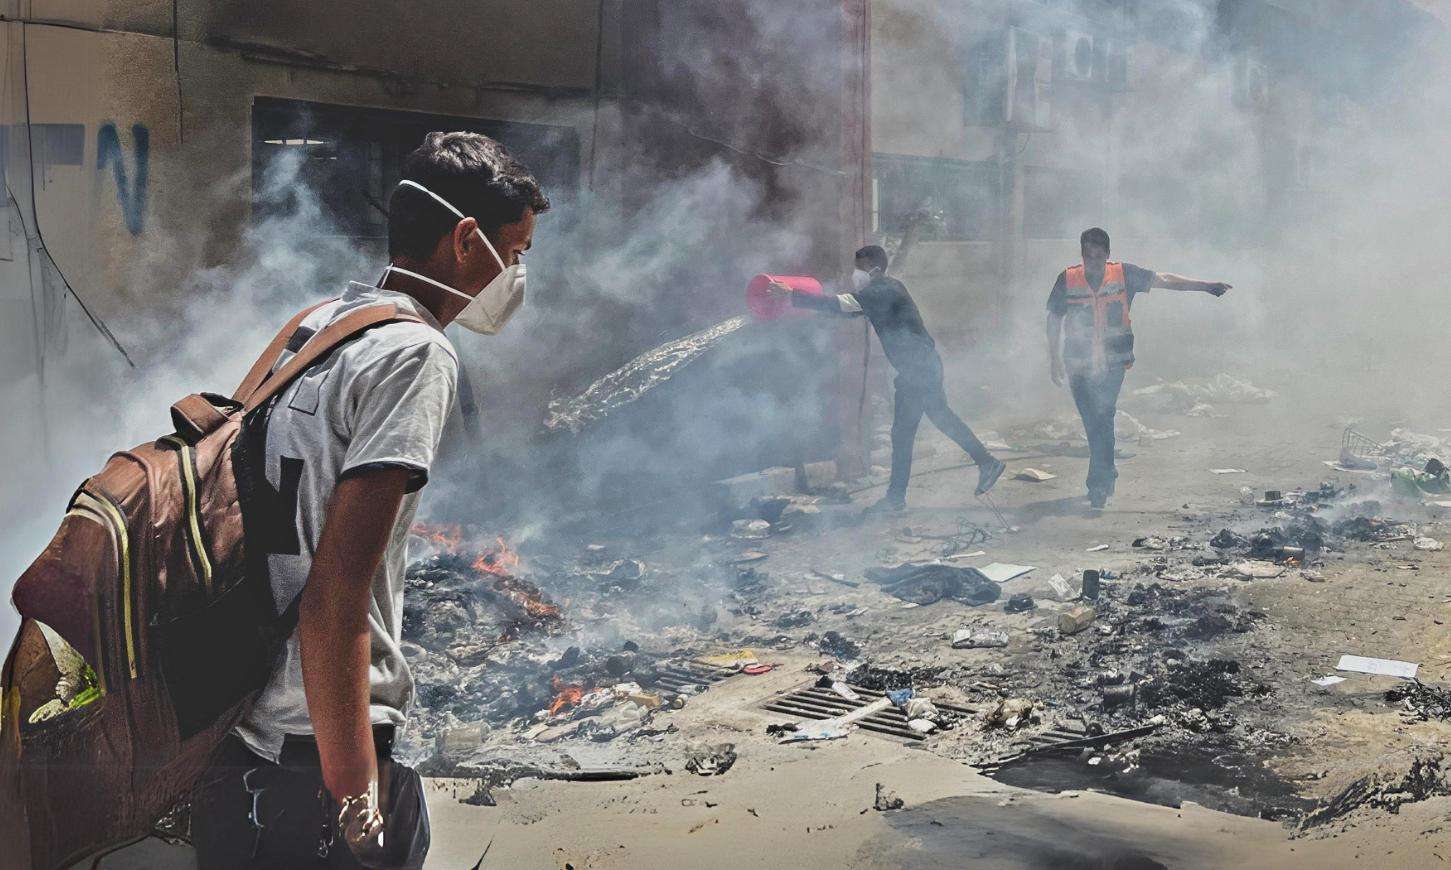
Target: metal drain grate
point(813, 702)
point(693, 676)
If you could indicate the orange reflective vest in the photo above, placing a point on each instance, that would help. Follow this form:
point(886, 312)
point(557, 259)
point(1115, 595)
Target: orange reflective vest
point(1097, 332)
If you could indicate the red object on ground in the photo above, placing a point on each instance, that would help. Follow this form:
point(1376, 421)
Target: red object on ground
point(767, 307)
point(757, 669)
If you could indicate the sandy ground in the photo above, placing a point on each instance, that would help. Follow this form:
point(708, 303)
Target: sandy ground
point(811, 806)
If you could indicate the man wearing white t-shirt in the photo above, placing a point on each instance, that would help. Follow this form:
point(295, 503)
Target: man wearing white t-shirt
point(307, 779)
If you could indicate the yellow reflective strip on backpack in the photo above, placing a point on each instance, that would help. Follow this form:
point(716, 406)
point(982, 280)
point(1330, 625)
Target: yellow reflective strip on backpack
point(119, 522)
point(193, 509)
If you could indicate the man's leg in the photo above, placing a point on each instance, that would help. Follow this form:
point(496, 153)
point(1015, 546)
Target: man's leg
point(1107, 388)
point(951, 425)
point(906, 415)
point(1084, 396)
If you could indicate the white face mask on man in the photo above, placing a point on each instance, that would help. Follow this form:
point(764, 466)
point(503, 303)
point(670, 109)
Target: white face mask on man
point(491, 308)
point(860, 278)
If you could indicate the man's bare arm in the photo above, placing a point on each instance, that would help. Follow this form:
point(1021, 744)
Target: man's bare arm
point(1055, 347)
point(1170, 281)
point(333, 625)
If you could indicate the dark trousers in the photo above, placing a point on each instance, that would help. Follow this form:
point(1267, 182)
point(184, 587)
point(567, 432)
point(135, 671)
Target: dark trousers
point(1096, 395)
point(917, 395)
point(296, 815)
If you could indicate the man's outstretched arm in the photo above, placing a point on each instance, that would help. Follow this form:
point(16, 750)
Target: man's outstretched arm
point(333, 629)
point(843, 303)
point(1170, 281)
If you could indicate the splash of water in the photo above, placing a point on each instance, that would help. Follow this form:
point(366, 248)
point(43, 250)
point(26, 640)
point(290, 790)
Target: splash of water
point(636, 378)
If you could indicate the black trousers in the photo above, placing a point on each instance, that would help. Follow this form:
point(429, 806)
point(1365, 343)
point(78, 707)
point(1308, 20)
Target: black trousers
point(1096, 394)
point(251, 814)
point(917, 394)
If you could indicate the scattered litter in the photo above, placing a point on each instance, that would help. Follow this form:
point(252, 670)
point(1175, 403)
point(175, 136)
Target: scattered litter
point(1227, 471)
point(1076, 619)
point(1035, 475)
point(841, 689)
point(1010, 713)
point(1380, 667)
point(1327, 682)
point(1062, 589)
point(932, 582)
point(757, 669)
point(711, 760)
point(887, 800)
point(1429, 545)
point(750, 556)
point(735, 660)
point(979, 638)
point(1020, 602)
point(1126, 427)
point(1256, 570)
point(922, 726)
point(999, 572)
point(750, 530)
point(1420, 701)
point(1089, 589)
point(1189, 395)
point(1097, 548)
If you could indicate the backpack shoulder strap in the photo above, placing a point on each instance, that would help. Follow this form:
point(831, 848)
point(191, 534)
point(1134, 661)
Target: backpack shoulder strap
point(264, 363)
point(322, 343)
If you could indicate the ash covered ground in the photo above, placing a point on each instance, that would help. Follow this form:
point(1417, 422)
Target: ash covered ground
point(1189, 678)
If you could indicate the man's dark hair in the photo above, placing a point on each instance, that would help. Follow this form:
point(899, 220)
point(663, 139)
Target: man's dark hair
point(474, 173)
point(873, 254)
point(1094, 236)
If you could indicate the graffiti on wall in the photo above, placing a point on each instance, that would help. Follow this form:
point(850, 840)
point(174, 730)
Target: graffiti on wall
point(130, 186)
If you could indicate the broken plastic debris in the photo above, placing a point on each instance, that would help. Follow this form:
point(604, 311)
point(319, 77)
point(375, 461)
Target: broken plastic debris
point(1035, 475)
point(1062, 589)
point(1097, 548)
point(1327, 682)
point(1381, 667)
point(1256, 570)
point(1227, 471)
point(979, 638)
point(999, 572)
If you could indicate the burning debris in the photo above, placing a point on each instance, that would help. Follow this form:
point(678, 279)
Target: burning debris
point(933, 582)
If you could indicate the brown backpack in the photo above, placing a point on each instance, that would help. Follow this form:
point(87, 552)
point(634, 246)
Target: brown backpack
point(150, 582)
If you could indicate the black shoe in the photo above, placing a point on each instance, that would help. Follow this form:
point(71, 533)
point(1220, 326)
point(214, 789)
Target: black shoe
point(887, 504)
point(988, 475)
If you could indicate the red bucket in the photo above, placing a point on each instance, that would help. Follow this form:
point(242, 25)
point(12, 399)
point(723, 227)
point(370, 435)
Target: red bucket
point(767, 307)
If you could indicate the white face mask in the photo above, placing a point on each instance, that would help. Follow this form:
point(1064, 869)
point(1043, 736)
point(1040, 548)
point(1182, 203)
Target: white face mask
point(860, 278)
point(488, 311)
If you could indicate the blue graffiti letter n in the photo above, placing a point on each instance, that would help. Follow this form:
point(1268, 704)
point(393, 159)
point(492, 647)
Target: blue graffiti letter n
point(132, 195)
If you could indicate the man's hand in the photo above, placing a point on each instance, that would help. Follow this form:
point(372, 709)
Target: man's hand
point(1217, 288)
point(1057, 373)
point(776, 288)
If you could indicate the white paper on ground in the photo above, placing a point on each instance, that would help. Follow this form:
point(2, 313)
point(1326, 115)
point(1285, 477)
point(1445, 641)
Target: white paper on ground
point(1383, 667)
point(1327, 682)
point(999, 572)
point(1227, 471)
point(1097, 548)
point(1062, 588)
point(1037, 475)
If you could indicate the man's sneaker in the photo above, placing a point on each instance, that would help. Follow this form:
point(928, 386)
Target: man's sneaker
point(988, 475)
point(887, 504)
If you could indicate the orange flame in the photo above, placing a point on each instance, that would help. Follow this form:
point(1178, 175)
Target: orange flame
point(569, 694)
point(446, 536)
point(500, 561)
